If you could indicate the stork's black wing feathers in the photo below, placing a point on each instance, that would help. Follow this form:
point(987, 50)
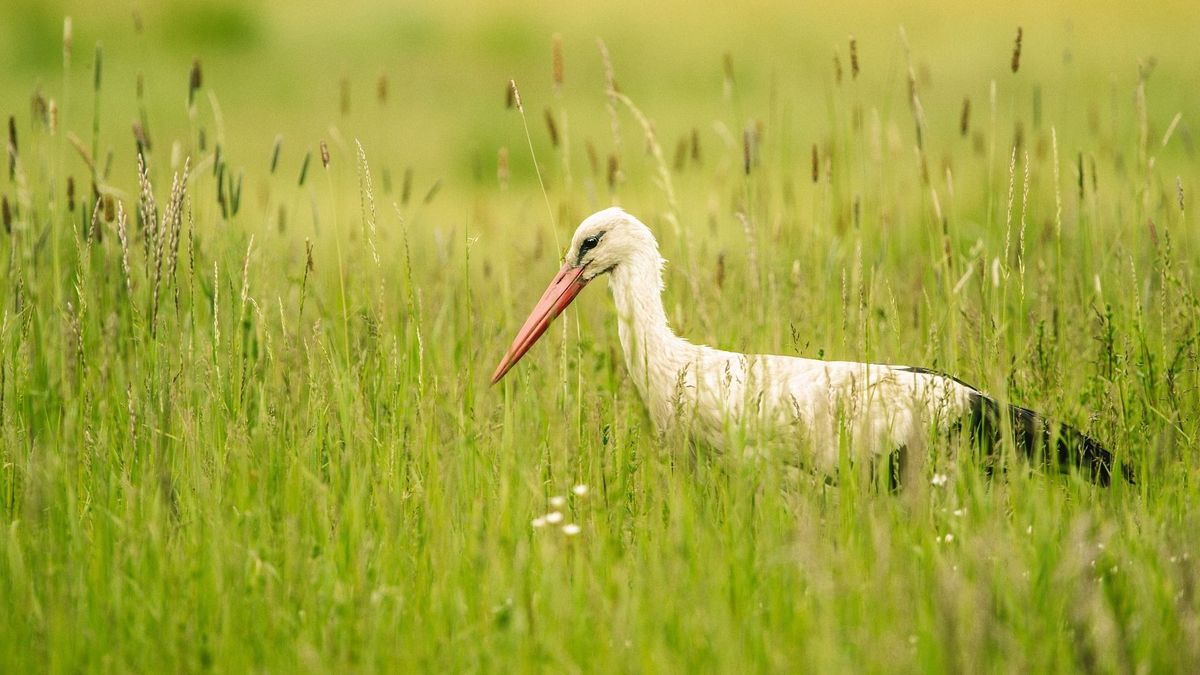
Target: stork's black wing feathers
point(1042, 440)
point(1035, 435)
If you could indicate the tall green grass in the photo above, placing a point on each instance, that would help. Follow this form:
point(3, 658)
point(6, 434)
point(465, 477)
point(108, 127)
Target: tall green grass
point(259, 437)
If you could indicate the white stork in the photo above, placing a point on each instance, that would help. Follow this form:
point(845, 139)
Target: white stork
point(778, 399)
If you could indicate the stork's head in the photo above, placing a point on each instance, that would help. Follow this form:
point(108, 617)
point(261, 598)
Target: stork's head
point(602, 243)
point(606, 239)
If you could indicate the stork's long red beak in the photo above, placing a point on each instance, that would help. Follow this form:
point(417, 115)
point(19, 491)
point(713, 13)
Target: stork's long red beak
point(566, 285)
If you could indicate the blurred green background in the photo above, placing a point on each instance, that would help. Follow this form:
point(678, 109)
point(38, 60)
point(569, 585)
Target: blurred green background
point(280, 67)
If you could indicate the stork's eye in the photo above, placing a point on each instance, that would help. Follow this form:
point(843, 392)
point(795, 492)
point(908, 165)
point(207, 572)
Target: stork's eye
point(589, 243)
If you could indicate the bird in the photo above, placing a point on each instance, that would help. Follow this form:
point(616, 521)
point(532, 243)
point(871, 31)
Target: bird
point(887, 411)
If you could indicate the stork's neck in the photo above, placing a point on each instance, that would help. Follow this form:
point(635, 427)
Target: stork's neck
point(653, 353)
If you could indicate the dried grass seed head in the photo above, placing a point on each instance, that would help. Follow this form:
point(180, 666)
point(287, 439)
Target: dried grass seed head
point(853, 58)
point(557, 62)
point(1016, 56)
point(195, 79)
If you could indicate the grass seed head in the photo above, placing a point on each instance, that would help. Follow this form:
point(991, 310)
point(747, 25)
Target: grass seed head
point(551, 127)
point(39, 109)
point(140, 137)
point(853, 58)
point(304, 167)
point(98, 67)
point(195, 80)
point(406, 186)
point(324, 154)
point(557, 61)
point(514, 96)
point(123, 237)
point(94, 223)
point(1016, 55)
point(275, 149)
point(433, 191)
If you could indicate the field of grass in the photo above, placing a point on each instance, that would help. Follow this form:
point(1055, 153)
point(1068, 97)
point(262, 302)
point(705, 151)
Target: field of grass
point(245, 424)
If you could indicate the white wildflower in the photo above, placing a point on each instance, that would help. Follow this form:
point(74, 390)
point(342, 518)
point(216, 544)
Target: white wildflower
point(939, 479)
point(538, 522)
point(554, 517)
point(580, 490)
point(558, 501)
point(570, 529)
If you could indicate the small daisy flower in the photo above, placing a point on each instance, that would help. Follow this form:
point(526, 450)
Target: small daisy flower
point(948, 538)
point(558, 501)
point(570, 529)
point(538, 522)
point(939, 479)
point(580, 490)
point(554, 517)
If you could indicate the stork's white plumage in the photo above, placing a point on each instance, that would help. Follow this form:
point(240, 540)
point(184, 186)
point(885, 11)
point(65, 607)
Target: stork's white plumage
point(770, 399)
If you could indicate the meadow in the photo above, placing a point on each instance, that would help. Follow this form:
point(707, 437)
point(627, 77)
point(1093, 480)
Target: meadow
point(245, 420)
